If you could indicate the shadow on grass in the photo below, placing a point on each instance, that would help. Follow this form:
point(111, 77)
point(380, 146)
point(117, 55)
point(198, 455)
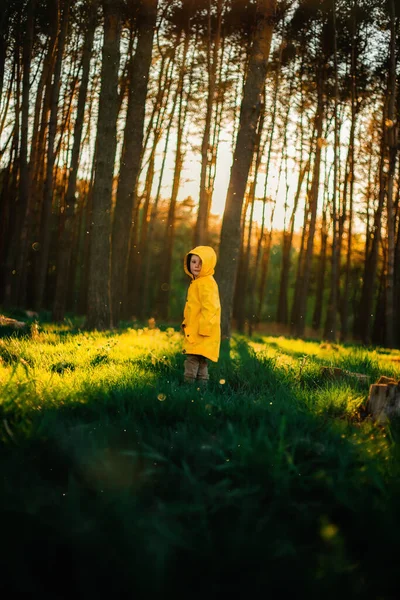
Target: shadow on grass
point(153, 485)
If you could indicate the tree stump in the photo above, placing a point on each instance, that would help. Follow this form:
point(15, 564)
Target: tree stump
point(384, 399)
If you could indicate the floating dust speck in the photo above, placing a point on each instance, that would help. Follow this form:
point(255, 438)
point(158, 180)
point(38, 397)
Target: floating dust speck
point(222, 381)
point(161, 397)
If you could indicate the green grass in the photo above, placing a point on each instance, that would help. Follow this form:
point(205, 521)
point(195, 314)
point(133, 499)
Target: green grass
point(118, 479)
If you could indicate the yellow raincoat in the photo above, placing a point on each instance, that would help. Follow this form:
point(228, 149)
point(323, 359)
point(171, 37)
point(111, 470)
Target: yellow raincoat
point(202, 314)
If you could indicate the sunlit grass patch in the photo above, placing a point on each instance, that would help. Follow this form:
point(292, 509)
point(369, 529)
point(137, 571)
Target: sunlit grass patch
point(333, 401)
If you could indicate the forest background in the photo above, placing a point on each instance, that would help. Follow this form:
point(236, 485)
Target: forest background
point(133, 130)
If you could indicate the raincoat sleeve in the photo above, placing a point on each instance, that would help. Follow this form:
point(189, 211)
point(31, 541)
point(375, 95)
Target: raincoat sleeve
point(210, 306)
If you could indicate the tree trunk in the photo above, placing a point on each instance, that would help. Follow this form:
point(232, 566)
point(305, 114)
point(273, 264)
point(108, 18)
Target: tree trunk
point(139, 226)
point(131, 152)
point(8, 96)
point(379, 326)
point(265, 265)
point(349, 181)
point(11, 255)
point(243, 289)
point(201, 230)
point(7, 202)
point(319, 295)
point(146, 240)
point(99, 309)
point(331, 316)
point(391, 140)
point(283, 304)
point(65, 247)
point(24, 188)
point(4, 37)
point(255, 316)
point(249, 116)
point(370, 266)
point(301, 312)
point(162, 309)
point(45, 230)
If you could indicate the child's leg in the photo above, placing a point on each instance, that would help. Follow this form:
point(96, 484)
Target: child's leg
point(191, 365)
point(202, 373)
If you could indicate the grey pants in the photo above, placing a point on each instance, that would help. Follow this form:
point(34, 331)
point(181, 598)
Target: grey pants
point(196, 368)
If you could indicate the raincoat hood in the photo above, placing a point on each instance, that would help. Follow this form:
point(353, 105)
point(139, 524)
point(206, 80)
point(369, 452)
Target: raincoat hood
point(208, 259)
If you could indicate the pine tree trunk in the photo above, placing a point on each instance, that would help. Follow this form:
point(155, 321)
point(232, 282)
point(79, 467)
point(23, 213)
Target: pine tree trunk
point(43, 254)
point(349, 181)
point(131, 152)
point(65, 245)
point(249, 116)
point(8, 96)
point(16, 215)
point(301, 309)
point(99, 298)
point(201, 230)
point(283, 303)
point(243, 292)
point(255, 316)
point(24, 188)
point(4, 36)
point(319, 296)
point(365, 312)
point(146, 242)
point(330, 332)
point(163, 298)
point(141, 216)
point(392, 141)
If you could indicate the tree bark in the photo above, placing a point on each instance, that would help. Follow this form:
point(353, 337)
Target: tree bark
point(45, 229)
point(392, 141)
point(243, 290)
point(201, 230)
point(162, 308)
point(301, 310)
point(330, 332)
point(349, 182)
point(146, 241)
point(371, 264)
point(24, 188)
point(322, 259)
point(4, 38)
point(99, 299)
point(131, 153)
point(250, 111)
point(283, 304)
point(65, 246)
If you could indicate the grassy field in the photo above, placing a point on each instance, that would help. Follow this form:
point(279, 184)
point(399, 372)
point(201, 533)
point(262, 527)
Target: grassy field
point(118, 478)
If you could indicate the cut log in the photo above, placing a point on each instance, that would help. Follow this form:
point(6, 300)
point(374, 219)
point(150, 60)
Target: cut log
point(340, 374)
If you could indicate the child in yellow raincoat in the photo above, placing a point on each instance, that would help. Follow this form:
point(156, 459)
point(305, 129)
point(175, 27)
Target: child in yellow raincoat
point(202, 314)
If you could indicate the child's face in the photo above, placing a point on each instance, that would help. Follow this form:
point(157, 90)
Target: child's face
point(195, 265)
